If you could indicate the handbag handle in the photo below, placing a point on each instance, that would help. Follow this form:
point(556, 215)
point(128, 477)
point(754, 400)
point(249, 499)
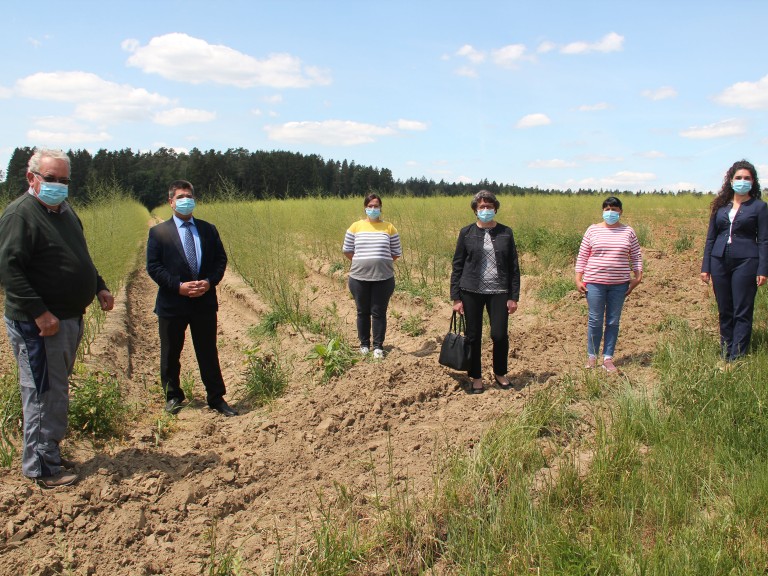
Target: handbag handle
point(457, 326)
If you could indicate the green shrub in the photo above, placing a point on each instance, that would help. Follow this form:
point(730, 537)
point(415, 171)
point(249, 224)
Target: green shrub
point(10, 417)
point(683, 242)
point(96, 405)
point(413, 325)
point(335, 358)
point(265, 378)
point(555, 289)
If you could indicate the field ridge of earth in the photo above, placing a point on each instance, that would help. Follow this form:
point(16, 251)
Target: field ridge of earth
point(145, 504)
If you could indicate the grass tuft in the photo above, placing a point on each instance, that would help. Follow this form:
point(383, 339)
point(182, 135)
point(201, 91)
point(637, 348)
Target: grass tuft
point(96, 405)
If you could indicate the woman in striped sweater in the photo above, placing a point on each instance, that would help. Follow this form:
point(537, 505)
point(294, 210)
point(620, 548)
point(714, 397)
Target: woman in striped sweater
point(609, 252)
point(373, 246)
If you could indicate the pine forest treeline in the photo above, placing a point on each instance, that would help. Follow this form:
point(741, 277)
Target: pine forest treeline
point(242, 174)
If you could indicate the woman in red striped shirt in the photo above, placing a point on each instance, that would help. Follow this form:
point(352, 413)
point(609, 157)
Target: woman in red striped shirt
point(608, 256)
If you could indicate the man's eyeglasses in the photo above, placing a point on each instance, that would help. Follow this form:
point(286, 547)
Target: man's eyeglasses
point(64, 181)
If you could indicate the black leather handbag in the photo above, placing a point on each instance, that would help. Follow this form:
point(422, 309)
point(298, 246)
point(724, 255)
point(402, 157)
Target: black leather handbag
point(455, 352)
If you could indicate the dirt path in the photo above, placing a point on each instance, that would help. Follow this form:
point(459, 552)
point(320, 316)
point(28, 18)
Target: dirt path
point(145, 504)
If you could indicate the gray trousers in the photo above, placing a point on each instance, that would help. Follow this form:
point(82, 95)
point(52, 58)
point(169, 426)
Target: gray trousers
point(45, 364)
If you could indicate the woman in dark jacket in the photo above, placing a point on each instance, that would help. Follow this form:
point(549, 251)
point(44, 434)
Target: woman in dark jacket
point(486, 274)
point(736, 255)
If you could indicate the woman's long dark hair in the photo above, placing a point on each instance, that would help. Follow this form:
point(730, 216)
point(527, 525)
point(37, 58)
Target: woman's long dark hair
point(726, 192)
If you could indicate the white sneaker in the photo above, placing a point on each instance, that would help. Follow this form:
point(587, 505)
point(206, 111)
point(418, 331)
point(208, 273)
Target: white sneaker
point(378, 354)
point(364, 350)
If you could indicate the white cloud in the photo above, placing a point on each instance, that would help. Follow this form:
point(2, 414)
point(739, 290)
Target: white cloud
point(545, 47)
point(36, 42)
point(466, 71)
point(328, 132)
point(750, 95)
point(177, 116)
point(44, 137)
point(5, 92)
point(628, 178)
point(732, 127)
point(660, 93)
point(256, 112)
point(599, 159)
point(411, 125)
point(532, 120)
point(611, 42)
point(464, 180)
point(762, 169)
point(58, 124)
point(96, 99)
point(554, 163)
point(623, 180)
point(274, 99)
point(508, 56)
point(652, 154)
point(470, 53)
point(180, 57)
point(678, 186)
point(594, 107)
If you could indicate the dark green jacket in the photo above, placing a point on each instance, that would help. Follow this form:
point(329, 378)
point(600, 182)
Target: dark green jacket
point(44, 262)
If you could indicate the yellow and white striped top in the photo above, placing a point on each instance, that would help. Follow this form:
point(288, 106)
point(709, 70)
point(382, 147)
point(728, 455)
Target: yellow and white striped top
point(373, 245)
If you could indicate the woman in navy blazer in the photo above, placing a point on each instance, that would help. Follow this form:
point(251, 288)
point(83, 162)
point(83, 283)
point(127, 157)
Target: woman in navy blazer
point(736, 255)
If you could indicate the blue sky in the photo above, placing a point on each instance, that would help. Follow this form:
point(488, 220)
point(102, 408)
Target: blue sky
point(636, 95)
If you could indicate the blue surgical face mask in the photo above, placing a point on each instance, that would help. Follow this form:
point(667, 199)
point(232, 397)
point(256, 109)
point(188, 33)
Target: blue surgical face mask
point(53, 193)
point(373, 213)
point(741, 187)
point(610, 216)
point(185, 206)
point(486, 214)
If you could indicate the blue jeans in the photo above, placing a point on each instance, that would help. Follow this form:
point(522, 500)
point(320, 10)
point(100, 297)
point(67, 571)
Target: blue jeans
point(605, 303)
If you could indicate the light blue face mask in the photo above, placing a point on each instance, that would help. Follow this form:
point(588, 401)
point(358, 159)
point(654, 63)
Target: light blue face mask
point(373, 213)
point(741, 187)
point(486, 214)
point(53, 193)
point(611, 217)
point(185, 206)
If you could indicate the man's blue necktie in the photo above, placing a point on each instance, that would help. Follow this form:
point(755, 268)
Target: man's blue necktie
point(189, 248)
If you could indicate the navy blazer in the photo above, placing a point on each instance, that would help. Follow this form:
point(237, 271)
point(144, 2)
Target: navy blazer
point(749, 234)
point(167, 266)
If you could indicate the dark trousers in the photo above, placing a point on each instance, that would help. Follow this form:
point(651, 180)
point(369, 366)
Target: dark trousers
point(372, 299)
point(734, 281)
point(203, 329)
point(474, 304)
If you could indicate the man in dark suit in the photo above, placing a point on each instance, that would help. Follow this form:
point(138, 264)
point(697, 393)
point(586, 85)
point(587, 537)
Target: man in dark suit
point(186, 258)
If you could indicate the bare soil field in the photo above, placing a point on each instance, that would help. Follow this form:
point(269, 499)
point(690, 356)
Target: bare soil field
point(146, 503)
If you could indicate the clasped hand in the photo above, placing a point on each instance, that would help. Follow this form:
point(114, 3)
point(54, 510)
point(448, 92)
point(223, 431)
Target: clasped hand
point(194, 288)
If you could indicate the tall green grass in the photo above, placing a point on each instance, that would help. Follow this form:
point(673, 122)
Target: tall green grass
point(272, 242)
point(675, 480)
point(115, 229)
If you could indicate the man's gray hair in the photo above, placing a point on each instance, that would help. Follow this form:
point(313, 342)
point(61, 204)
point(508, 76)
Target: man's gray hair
point(40, 153)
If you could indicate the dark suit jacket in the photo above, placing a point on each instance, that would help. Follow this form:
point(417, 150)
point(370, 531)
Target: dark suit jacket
point(749, 235)
point(167, 266)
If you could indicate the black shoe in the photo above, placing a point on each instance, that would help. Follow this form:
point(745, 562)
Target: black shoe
point(173, 406)
point(222, 407)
